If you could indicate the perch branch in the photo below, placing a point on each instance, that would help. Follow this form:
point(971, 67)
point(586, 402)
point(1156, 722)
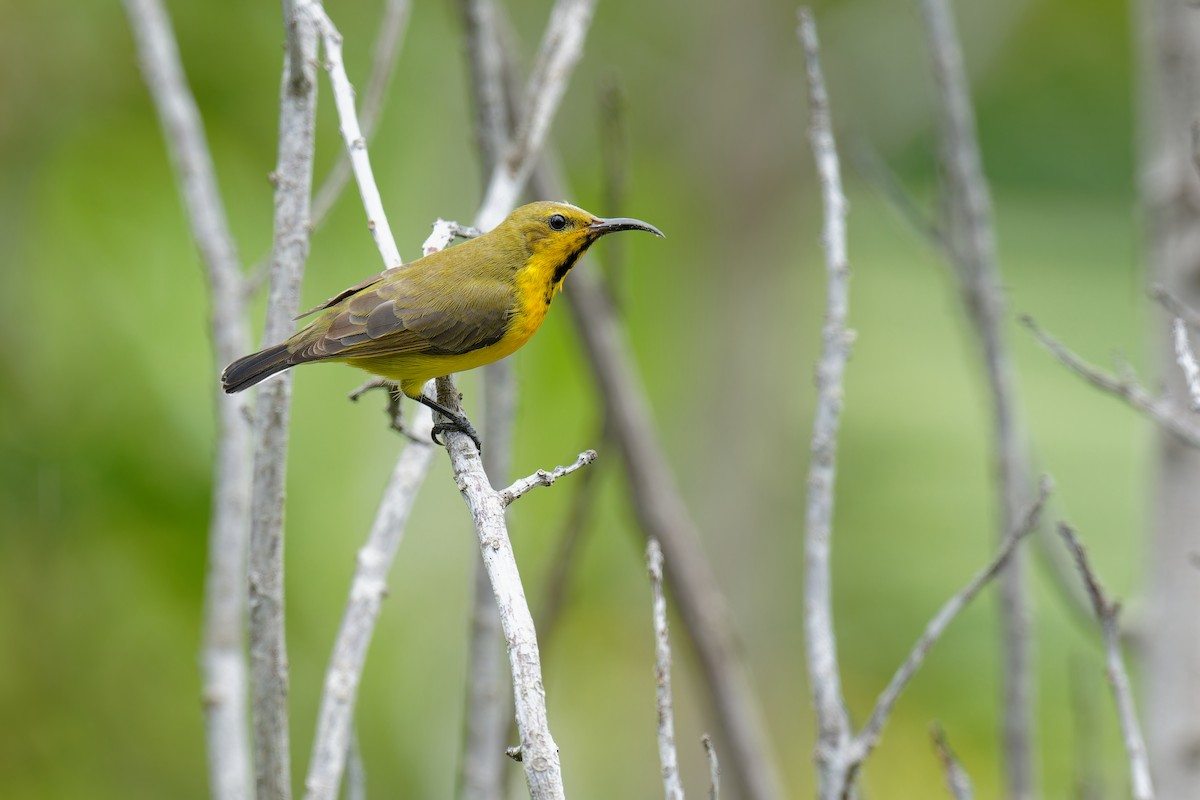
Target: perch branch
point(1107, 612)
point(668, 758)
point(222, 651)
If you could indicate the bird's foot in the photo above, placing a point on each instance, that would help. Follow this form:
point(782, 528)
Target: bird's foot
point(457, 423)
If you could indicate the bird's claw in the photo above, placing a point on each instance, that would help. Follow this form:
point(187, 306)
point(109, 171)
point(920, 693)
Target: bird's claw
point(462, 426)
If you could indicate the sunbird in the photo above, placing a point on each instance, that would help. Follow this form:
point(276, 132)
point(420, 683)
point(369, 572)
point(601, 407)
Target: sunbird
point(451, 311)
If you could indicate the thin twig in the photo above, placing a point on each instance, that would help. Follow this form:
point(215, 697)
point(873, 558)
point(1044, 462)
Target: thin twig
point(386, 52)
point(868, 737)
point(562, 45)
point(367, 591)
point(1160, 410)
point(1175, 306)
point(957, 779)
point(714, 768)
point(833, 724)
point(1187, 362)
point(222, 654)
point(356, 143)
point(293, 186)
point(969, 232)
point(667, 757)
point(544, 478)
point(1107, 612)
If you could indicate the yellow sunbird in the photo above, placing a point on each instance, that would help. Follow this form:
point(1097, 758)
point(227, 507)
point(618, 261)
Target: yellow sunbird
point(451, 311)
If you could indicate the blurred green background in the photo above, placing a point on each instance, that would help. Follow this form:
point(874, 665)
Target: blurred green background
point(106, 386)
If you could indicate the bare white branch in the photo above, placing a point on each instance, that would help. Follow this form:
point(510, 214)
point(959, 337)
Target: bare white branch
point(833, 724)
point(444, 231)
point(714, 769)
point(538, 750)
point(667, 757)
point(386, 53)
point(223, 656)
point(1160, 410)
point(1187, 362)
point(367, 591)
point(561, 47)
point(957, 779)
point(544, 478)
point(1107, 612)
point(356, 143)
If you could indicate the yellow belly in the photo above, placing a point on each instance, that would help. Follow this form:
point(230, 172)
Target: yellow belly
point(413, 370)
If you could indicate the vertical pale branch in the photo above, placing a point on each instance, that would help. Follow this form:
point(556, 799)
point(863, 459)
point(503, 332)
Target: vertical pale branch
point(833, 725)
point(1168, 54)
point(1187, 362)
point(222, 656)
point(667, 757)
point(968, 229)
point(487, 711)
point(1107, 612)
point(293, 185)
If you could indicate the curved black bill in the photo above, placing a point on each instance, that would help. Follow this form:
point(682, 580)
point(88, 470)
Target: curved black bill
point(603, 226)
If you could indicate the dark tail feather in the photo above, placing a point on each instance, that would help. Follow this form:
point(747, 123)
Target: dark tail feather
point(249, 370)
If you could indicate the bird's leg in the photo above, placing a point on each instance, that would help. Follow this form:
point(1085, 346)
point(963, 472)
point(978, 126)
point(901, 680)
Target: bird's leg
point(458, 422)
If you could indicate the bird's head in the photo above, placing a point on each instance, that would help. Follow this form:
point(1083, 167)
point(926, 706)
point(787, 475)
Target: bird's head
point(557, 234)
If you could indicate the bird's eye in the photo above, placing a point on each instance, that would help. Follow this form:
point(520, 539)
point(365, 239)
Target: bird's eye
point(557, 222)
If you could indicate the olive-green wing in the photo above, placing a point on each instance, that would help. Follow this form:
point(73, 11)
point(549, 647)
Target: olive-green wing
point(404, 316)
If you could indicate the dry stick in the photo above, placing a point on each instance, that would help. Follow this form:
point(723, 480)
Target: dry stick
point(222, 654)
point(1160, 410)
point(1187, 362)
point(1107, 612)
point(868, 737)
point(833, 724)
point(386, 54)
point(368, 588)
point(957, 779)
point(714, 769)
point(667, 757)
point(969, 228)
point(356, 144)
point(293, 185)
point(487, 712)
point(539, 753)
